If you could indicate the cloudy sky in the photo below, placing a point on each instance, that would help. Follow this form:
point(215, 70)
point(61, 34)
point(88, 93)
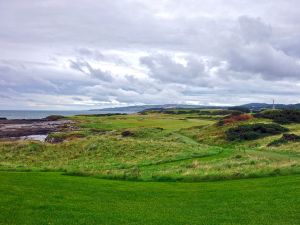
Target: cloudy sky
point(74, 54)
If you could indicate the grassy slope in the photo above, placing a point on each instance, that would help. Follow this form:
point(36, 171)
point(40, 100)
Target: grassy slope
point(186, 149)
point(50, 198)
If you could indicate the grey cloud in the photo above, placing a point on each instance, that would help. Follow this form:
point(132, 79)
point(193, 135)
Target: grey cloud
point(265, 60)
point(165, 69)
point(58, 48)
point(91, 54)
point(41, 79)
point(254, 29)
point(12, 78)
point(86, 68)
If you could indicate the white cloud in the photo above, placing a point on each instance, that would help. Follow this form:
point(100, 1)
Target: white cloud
point(147, 52)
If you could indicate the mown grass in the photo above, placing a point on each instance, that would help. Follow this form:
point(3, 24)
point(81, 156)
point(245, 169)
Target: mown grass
point(169, 122)
point(50, 198)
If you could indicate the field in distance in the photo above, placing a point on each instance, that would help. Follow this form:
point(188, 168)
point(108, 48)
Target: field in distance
point(173, 145)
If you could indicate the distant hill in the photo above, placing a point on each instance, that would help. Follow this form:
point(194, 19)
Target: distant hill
point(259, 106)
point(139, 108)
point(270, 106)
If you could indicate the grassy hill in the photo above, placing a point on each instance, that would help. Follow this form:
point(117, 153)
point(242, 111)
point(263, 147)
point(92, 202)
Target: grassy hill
point(183, 145)
point(156, 146)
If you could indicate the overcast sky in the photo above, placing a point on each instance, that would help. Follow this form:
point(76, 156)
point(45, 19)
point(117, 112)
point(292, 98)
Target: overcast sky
point(74, 54)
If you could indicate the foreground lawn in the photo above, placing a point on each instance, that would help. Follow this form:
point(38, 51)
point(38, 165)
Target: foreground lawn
point(52, 198)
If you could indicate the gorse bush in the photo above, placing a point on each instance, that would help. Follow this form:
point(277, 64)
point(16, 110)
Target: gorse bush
point(285, 139)
point(253, 131)
point(234, 118)
point(285, 116)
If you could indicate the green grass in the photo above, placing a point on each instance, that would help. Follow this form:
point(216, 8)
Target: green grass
point(160, 147)
point(169, 122)
point(51, 198)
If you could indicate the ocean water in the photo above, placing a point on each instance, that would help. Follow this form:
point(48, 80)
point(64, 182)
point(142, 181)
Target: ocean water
point(38, 114)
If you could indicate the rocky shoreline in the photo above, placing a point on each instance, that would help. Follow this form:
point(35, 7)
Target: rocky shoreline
point(35, 129)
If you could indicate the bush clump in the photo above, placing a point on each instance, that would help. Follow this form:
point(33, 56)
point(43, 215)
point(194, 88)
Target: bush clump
point(284, 116)
point(234, 118)
point(240, 109)
point(127, 133)
point(221, 112)
point(54, 117)
point(285, 139)
point(253, 131)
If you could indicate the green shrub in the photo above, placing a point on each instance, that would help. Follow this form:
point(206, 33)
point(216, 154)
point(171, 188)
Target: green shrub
point(127, 133)
point(54, 117)
point(285, 116)
point(222, 112)
point(253, 131)
point(285, 139)
point(240, 109)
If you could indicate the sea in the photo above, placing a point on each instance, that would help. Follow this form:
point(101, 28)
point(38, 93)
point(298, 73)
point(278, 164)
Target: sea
point(39, 114)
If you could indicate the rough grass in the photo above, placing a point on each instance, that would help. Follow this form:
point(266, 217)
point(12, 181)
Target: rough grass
point(50, 198)
point(159, 147)
point(100, 155)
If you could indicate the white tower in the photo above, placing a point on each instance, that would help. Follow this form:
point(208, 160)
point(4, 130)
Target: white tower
point(273, 104)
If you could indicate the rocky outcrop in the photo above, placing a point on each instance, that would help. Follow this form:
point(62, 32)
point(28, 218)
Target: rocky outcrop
point(25, 127)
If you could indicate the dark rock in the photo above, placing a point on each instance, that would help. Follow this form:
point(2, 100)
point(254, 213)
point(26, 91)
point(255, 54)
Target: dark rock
point(127, 133)
point(24, 132)
point(3, 118)
point(54, 117)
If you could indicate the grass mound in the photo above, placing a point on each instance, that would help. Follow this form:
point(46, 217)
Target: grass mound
point(149, 133)
point(253, 131)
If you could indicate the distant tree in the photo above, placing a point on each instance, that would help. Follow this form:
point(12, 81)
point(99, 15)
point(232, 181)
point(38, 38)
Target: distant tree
point(284, 116)
point(239, 108)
